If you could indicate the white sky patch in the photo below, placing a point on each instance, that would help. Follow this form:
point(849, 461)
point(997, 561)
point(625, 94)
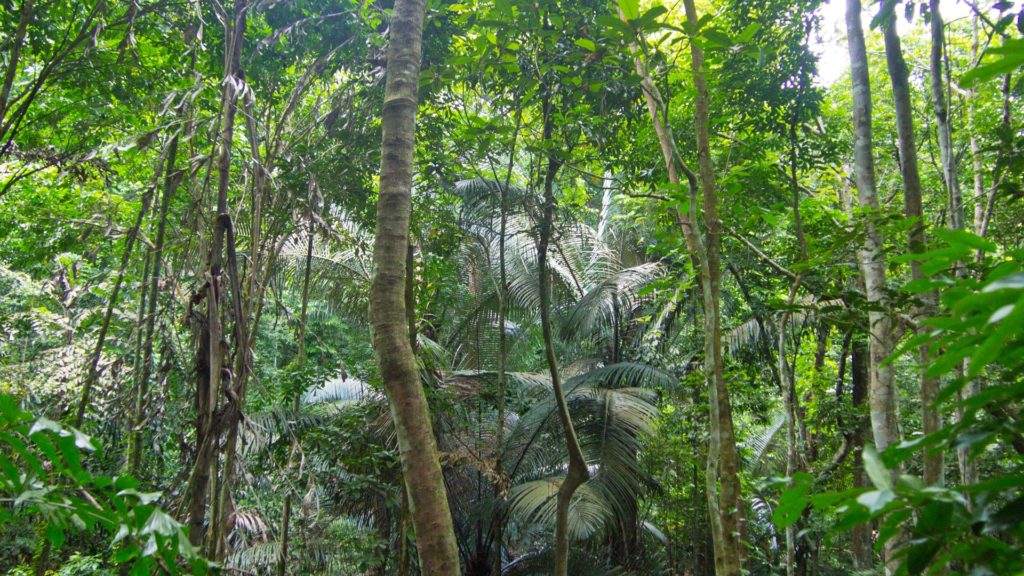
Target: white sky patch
point(833, 54)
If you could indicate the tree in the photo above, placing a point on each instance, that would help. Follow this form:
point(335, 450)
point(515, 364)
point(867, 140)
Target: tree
point(421, 468)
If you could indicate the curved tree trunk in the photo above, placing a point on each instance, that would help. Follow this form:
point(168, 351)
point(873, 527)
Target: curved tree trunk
point(421, 468)
point(722, 480)
point(577, 472)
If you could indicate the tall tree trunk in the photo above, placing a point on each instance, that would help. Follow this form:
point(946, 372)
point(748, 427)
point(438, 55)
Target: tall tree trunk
point(870, 258)
point(793, 464)
point(577, 472)
point(940, 106)
point(421, 468)
point(212, 341)
point(140, 323)
point(722, 479)
point(93, 370)
point(795, 440)
point(912, 206)
point(863, 556)
point(172, 178)
point(978, 193)
point(723, 484)
point(500, 484)
point(286, 513)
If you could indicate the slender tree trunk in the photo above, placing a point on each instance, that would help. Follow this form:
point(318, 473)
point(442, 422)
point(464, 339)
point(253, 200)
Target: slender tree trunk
point(24, 17)
point(899, 77)
point(978, 195)
point(934, 464)
point(421, 468)
point(577, 472)
point(792, 441)
point(723, 490)
point(213, 343)
point(282, 566)
point(795, 439)
point(870, 258)
point(500, 485)
point(1004, 152)
point(172, 179)
point(723, 484)
point(234, 391)
point(940, 106)
point(93, 370)
point(140, 324)
point(863, 556)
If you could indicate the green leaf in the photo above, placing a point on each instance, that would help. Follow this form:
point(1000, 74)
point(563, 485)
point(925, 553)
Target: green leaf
point(1009, 326)
point(876, 469)
point(748, 33)
point(793, 501)
point(718, 37)
point(630, 9)
point(160, 523)
point(144, 497)
point(1011, 57)
point(1010, 282)
point(961, 237)
point(876, 499)
point(55, 534)
point(586, 44)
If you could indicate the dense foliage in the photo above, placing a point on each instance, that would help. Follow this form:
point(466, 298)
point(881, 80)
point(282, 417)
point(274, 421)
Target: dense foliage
point(769, 323)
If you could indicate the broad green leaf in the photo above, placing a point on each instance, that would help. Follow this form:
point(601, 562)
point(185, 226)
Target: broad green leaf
point(1010, 56)
point(630, 9)
point(879, 474)
point(1012, 324)
point(1011, 282)
point(876, 499)
point(961, 237)
point(160, 523)
point(55, 534)
point(748, 33)
point(586, 44)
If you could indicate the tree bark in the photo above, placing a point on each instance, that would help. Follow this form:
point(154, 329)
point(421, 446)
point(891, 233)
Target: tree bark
point(212, 342)
point(500, 484)
point(912, 206)
point(863, 556)
point(723, 486)
point(870, 258)
point(172, 179)
point(722, 479)
point(421, 468)
point(793, 464)
point(577, 472)
point(950, 176)
point(93, 370)
point(978, 194)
